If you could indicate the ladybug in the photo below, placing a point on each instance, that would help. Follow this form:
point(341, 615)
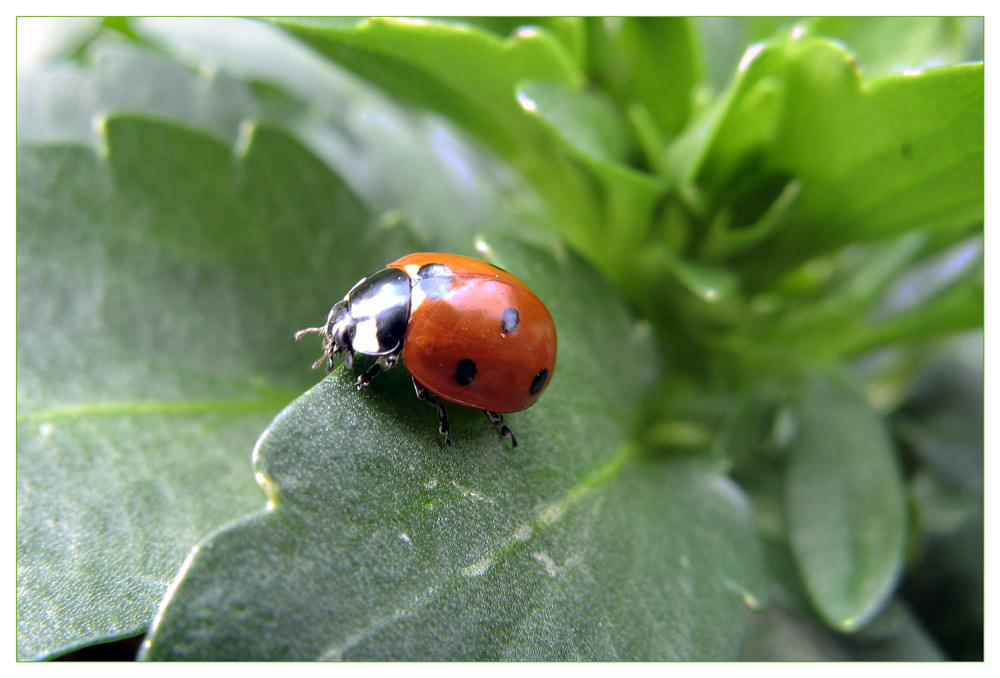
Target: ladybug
point(468, 332)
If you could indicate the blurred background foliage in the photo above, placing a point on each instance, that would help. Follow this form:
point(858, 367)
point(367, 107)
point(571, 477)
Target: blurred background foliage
point(793, 208)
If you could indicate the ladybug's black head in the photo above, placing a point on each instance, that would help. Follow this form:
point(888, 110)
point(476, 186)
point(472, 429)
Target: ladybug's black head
point(336, 335)
point(339, 333)
point(371, 319)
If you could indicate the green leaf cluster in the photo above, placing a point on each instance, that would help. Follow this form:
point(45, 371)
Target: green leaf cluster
point(758, 239)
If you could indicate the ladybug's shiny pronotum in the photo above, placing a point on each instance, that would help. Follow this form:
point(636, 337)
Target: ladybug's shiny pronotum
point(468, 333)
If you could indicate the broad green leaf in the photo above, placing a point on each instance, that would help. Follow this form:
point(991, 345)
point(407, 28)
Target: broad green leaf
point(869, 167)
point(467, 74)
point(582, 122)
point(892, 44)
point(844, 504)
point(381, 543)
point(159, 284)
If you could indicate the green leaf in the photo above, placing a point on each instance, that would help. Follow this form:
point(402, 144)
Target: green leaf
point(569, 29)
point(843, 299)
point(381, 543)
point(868, 166)
point(465, 73)
point(62, 100)
point(844, 504)
point(705, 282)
point(582, 122)
point(413, 167)
point(649, 62)
point(470, 76)
point(723, 40)
point(956, 307)
point(586, 128)
point(159, 285)
point(893, 44)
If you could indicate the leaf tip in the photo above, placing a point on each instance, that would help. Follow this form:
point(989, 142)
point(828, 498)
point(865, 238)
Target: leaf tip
point(847, 625)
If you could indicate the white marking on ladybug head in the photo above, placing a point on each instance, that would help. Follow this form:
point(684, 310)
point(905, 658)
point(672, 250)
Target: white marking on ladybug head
point(366, 337)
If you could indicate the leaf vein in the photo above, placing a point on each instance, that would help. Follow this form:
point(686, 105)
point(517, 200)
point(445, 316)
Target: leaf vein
point(155, 407)
point(545, 516)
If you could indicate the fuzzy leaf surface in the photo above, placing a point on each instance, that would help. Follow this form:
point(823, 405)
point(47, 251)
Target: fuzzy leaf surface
point(380, 543)
point(844, 504)
point(158, 289)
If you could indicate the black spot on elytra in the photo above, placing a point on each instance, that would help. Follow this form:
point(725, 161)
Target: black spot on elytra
point(539, 381)
point(435, 288)
point(432, 271)
point(434, 280)
point(906, 149)
point(509, 320)
point(465, 373)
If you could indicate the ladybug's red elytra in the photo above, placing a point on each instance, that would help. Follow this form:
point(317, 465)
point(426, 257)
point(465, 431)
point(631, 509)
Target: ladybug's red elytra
point(468, 333)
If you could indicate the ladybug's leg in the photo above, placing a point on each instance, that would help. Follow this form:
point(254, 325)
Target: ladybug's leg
point(383, 362)
point(348, 360)
point(497, 420)
point(368, 375)
point(429, 397)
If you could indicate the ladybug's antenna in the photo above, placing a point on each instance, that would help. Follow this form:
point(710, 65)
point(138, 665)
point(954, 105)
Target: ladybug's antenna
point(326, 352)
point(317, 330)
